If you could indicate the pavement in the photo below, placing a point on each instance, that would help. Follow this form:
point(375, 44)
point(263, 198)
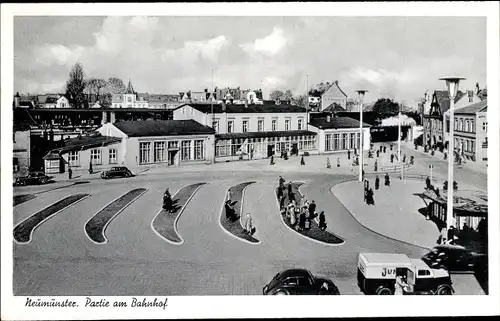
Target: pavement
point(62, 260)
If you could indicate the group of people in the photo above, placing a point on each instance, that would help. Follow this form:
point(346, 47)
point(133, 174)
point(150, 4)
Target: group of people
point(369, 191)
point(299, 215)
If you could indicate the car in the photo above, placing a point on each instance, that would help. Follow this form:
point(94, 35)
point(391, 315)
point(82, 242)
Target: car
point(117, 171)
point(299, 282)
point(456, 258)
point(33, 178)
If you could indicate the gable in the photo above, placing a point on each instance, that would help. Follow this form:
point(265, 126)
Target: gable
point(335, 91)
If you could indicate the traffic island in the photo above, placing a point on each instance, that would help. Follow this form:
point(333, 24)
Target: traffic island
point(313, 232)
point(24, 230)
point(165, 222)
point(19, 199)
point(233, 223)
point(96, 226)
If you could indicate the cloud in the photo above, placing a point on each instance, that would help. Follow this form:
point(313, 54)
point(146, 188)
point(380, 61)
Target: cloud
point(270, 45)
point(48, 55)
point(192, 51)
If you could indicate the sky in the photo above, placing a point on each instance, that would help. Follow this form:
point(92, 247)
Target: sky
point(391, 57)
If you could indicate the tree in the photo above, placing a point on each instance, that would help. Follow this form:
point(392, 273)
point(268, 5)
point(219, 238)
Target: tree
point(288, 96)
point(385, 106)
point(76, 85)
point(301, 101)
point(115, 86)
point(276, 94)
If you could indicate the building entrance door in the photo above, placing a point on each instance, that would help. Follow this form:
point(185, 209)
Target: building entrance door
point(172, 159)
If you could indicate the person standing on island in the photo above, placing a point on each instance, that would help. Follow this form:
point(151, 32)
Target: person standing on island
point(322, 221)
point(249, 224)
point(328, 163)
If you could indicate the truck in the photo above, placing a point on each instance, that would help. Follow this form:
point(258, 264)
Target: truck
point(377, 275)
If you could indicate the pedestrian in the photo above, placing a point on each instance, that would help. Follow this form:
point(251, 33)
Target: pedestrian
point(229, 211)
point(348, 154)
point(289, 190)
point(229, 195)
point(306, 203)
point(363, 174)
point(328, 163)
point(338, 161)
point(167, 200)
point(312, 209)
point(387, 180)
point(249, 224)
point(322, 221)
point(291, 214)
point(385, 149)
point(381, 148)
point(370, 200)
point(302, 221)
point(390, 146)
point(70, 173)
point(404, 158)
point(355, 152)
point(377, 182)
point(412, 160)
point(427, 183)
point(302, 160)
point(285, 155)
point(272, 160)
point(282, 202)
point(281, 182)
point(280, 192)
point(90, 168)
point(392, 158)
point(378, 153)
point(375, 167)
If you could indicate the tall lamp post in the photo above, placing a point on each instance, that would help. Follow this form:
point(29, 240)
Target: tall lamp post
point(452, 84)
point(399, 142)
point(361, 94)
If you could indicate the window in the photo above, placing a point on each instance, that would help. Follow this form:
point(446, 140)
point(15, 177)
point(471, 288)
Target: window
point(303, 281)
point(467, 125)
point(287, 124)
point(299, 124)
point(336, 141)
point(173, 144)
point(95, 156)
point(73, 158)
point(245, 126)
point(112, 156)
point(423, 272)
point(466, 145)
point(358, 140)
point(186, 150)
point(344, 141)
point(260, 125)
point(230, 126)
point(144, 153)
point(129, 99)
point(485, 127)
point(199, 152)
point(273, 125)
point(472, 147)
point(223, 148)
point(473, 126)
point(456, 124)
point(461, 128)
point(159, 152)
point(215, 125)
point(328, 142)
point(352, 140)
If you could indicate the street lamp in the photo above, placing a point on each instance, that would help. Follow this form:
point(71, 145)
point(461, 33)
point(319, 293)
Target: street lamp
point(452, 84)
point(399, 141)
point(361, 94)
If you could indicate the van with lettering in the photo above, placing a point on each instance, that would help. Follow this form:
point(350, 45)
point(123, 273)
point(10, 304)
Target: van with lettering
point(377, 275)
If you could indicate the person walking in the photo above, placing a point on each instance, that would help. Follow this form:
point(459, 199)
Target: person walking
point(70, 173)
point(387, 180)
point(272, 160)
point(376, 166)
point(302, 162)
point(290, 190)
point(404, 158)
point(281, 182)
point(249, 224)
point(312, 209)
point(328, 163)
point(392, 158)
point(427, 183)
point(377, 182)
point(338, 161)
point(378, 153)
point(370, 200)
point(385, 149)
point(322, 221)
point(348, 154)
point(167, 200)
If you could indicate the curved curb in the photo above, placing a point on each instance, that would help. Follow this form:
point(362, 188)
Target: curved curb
point(41, 222)
point(178, 215)
point(111, 218)
point(369, 229)
point(221, 214)
point(295, 232)
point(23, 199)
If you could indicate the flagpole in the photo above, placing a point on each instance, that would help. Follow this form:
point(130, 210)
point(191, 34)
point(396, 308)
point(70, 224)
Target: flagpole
point(307, 102)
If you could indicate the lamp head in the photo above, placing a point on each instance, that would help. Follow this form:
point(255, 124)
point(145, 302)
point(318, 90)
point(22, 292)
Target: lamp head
point(452, 85)
point(361, 93)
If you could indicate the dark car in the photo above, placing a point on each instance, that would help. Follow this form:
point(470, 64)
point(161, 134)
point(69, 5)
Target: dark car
point(455, 258)
point(118, 171)
point(33, 178)
point(299, 282)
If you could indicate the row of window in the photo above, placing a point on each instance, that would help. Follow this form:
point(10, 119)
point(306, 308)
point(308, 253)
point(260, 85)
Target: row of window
point(155, 152)
point(232, 147)
point(342, 141)
point(260, 125)
point(468, 145)
point(95, 157)
point(465, 125)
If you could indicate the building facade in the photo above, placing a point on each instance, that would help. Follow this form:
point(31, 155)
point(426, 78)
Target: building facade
point(333, 95)
point(253, 131)
point(129, 99)
point(21, 152)
point(339, 134)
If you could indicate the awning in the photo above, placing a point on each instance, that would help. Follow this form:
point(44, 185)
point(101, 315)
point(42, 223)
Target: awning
point(465, 203)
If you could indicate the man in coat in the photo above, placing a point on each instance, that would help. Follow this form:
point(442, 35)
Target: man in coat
point(312, 209)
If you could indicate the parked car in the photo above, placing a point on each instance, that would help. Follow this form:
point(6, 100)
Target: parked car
point(33, 178)
point(118, 171)
point(455, 258)
point(299, 282)
point(377, 275)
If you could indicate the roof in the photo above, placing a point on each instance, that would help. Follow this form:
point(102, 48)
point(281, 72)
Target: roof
point(86, 142)
point(162, 128)
point(335, 122)
point(51, 100)
point(334, 107)
point(336, 84)
point(266, 134)
point(266, 107)
point(130, 88)
point(473, 108)
point(294, 272)
point(443, 99)
point(43, 98)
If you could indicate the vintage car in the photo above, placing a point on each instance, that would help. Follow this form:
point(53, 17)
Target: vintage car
point(456, 259)
point(117, 171)
point(377, 275)
point(299, 282)
point(33, 178)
